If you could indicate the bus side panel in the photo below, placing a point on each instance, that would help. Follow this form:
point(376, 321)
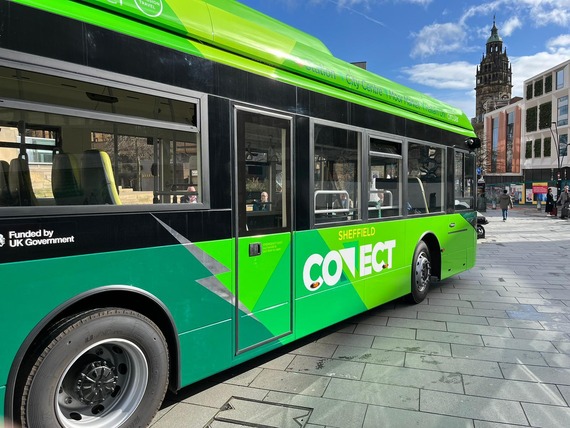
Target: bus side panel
point(206, 351)
point(343, 271)
point(458, 245)
point(195, 286)
point(456, 238)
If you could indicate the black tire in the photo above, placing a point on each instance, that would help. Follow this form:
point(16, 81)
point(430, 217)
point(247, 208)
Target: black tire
point(102, 368)
point(480, 232)
point(421, 274)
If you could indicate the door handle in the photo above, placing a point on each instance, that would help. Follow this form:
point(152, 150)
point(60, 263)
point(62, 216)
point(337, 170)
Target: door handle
point(255, 249)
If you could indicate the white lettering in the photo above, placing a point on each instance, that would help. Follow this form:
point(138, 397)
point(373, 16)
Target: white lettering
point(313, 260)
point(34, 238)
point(365, 260)
point(373, 259)
point(380, 247)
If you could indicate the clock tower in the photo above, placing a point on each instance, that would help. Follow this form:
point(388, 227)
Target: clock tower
point(494, 78)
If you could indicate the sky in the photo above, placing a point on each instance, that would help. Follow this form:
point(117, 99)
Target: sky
point(433, 46)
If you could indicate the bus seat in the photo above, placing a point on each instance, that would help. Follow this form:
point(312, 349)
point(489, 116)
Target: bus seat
point(20, 182)
point(65, 180)
point(97, 179)
point(5, 196)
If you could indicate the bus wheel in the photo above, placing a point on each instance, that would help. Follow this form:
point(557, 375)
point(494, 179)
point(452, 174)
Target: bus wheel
point(102, 368)
point(421, 273)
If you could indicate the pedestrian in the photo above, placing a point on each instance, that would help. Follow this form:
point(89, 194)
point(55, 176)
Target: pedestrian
point(564, 201)
point(505, 202)
point(550, 207)
point(191, 197)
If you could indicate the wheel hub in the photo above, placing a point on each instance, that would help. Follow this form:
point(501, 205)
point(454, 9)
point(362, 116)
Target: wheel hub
point(423, 272)
point(95, 382)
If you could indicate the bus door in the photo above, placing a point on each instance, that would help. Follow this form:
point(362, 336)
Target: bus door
point(263, 206)
point(459, 254)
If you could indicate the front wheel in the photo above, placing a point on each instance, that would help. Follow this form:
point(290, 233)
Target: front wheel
point(103, 368)
point(421, 273)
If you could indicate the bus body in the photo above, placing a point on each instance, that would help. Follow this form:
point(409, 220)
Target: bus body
point(185, 185)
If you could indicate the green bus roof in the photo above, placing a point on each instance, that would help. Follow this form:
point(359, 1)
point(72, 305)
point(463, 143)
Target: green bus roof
point(238, 29)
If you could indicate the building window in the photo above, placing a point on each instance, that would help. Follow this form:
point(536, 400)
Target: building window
point(560, 79)
point(528, 150)
point(548, 84)
point(537, 148)
point(531, 119)
point(545, 115)
point(494, 144)
point(529, 91)
point(538, 88)
point(563, 110)
point(510, 138)
point(563, 145)
point(547, 147)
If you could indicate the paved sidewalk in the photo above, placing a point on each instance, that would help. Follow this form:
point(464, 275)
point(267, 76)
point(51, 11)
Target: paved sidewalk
point(488, 348)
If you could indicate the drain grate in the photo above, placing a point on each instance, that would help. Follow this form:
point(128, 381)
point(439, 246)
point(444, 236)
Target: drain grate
point(244, 412)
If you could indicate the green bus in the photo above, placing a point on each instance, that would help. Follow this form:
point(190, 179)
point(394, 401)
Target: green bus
point(188, 184)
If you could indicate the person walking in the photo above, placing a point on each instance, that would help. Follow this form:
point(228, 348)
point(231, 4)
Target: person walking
point(505, 202)
point(564, 201)
point(550, 207)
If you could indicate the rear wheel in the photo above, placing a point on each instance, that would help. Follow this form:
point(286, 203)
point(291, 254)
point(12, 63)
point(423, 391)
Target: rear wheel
point(104, 368)
point(421, 273)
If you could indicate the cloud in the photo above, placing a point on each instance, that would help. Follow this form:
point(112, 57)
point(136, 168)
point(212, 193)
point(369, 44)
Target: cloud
point(462, 100)
point(546, 12)
point(420, 2)
point(511, 25)
point(459, 75)
point(438, 38)
point(537, 13)
point(562, 41)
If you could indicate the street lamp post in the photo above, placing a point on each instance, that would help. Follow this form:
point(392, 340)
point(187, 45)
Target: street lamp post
point(556, 139)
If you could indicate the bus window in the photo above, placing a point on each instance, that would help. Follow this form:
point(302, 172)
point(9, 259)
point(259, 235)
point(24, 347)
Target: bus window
point(385, 160)
point(85, 143)
point(264, 147)
point(464, 180)
point(337, 174)
point(425, 179)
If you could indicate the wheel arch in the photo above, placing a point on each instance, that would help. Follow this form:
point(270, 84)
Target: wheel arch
point(125, 297)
